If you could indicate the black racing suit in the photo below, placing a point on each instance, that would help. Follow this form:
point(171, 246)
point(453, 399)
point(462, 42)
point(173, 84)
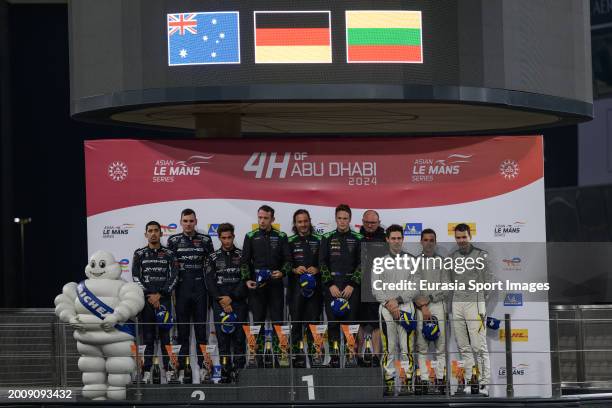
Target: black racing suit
point(376, 246)
point(223, 279)
point(155, 271)
point(304, 252)
point(340, 262)
point(191, 300)
point(265, 250)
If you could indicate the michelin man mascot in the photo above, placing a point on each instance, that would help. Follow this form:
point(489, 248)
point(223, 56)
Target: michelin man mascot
point(98, 309)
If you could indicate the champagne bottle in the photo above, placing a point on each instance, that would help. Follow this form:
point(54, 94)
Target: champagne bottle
point(418, 383)
point(336, 352)
point(300, 358)
point(443, 383)
point(474, 388)
point(225, 374)
point(367, 354)
point(334, 362)
point(268, 355)
point(188, 374)
point(156, 371)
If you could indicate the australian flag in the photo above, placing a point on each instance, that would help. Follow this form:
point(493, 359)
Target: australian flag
point(203, 38)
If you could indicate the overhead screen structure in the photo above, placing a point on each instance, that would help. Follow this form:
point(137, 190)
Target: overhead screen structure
point(329, 67)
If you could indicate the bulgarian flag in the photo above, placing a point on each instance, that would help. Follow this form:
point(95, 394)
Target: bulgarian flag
point(384, 36)
point(292, 37)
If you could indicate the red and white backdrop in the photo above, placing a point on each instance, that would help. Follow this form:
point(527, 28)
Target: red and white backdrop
point(496, 184)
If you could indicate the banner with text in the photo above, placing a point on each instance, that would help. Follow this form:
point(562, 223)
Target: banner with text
point(494, 184)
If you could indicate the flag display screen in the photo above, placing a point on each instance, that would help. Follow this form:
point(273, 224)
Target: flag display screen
point(299, 37)
point(167, 52)
point(203, 38)
point(384, 36)
point(172, 44)
point(296, 36)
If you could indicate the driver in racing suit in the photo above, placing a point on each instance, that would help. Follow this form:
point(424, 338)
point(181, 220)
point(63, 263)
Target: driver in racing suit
point(192, 250)
point(340, 264)
point(228, 294)
point(154, 269)
point(265, 249)
point(469, 307)
point(393, 302)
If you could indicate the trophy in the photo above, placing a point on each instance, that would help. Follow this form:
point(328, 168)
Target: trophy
point(433, 389)
point(318, 336)
point(405, 376)
point(282, 332)
point(349, 331)
point(251, 333)
point(173, 350)
point(207, 363)
point(460, 375)
point(138, 353)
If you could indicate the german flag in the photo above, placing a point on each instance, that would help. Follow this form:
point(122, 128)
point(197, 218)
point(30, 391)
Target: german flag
point(292, 37)
point(384, 36)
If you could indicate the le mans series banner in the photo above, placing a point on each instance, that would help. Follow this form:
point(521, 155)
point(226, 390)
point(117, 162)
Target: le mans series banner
point(494, 184)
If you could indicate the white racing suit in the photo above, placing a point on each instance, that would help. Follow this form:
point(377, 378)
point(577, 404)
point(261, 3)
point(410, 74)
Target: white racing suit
point(469, 316)
point(393, 334)
point(437, 306)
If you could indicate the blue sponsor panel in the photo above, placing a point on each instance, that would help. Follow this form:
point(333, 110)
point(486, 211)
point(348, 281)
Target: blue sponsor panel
point(513, 299)
point(413, 229)
point(212, 230)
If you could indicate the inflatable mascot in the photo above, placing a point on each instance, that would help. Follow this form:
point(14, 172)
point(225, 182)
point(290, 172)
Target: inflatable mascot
point(99, 309)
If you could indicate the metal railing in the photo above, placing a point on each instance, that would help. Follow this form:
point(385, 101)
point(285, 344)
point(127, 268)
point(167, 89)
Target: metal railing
point(36, 350)
point(581, 336)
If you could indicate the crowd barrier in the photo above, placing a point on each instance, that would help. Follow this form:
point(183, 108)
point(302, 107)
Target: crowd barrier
point(38, 353)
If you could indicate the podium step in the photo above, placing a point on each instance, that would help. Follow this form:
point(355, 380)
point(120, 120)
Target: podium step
point(280, 384)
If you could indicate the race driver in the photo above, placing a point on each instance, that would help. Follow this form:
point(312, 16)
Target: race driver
point(393, 303)
point(154, 269)
point(192, 250)
point(340, 263)
point(228, 294)
point(265, 253)
point(304, 307)
point(434, 303)
point(469, 313)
